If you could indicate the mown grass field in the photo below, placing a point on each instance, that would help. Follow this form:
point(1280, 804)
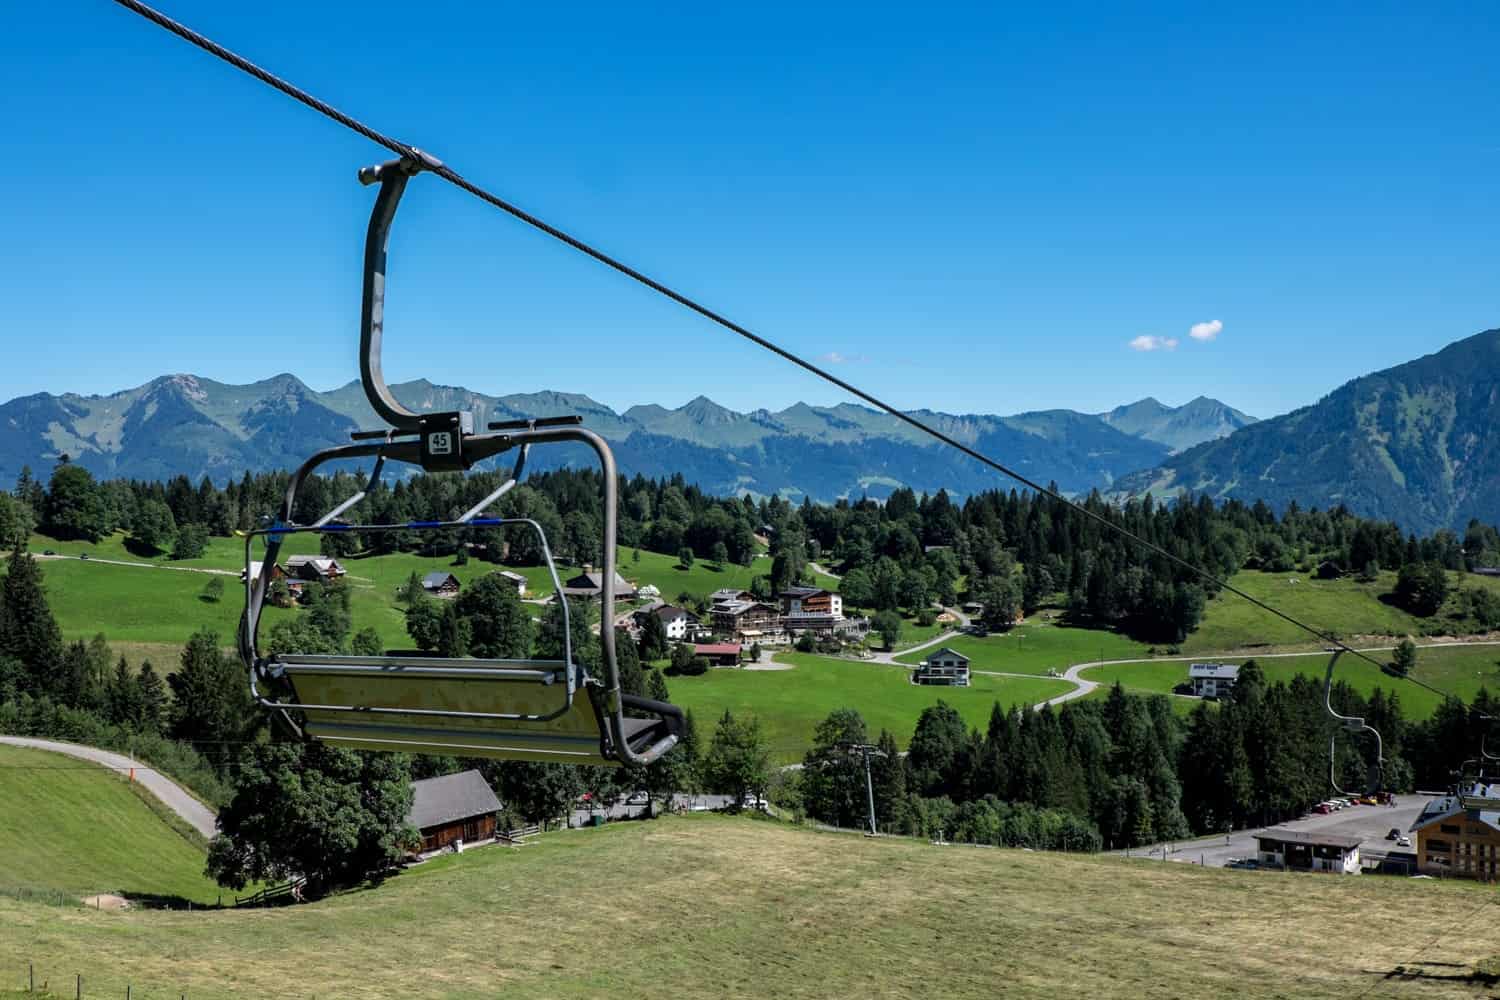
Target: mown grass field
point(790, 703)
point(708, 907)
point(70, 825)
point(1036, 647)
point(165, 605)
point(1344, 606)
point(1459, 669)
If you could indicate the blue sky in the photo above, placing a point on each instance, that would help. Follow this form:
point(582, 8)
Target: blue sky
point(971, 208)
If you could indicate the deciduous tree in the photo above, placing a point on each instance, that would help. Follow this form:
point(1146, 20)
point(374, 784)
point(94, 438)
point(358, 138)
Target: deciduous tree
point(334, 816)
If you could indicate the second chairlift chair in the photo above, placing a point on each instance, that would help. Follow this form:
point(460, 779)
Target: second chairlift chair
point(510, 709)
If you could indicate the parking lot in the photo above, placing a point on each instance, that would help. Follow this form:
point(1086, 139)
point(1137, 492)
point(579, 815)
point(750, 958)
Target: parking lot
point(1369, 823)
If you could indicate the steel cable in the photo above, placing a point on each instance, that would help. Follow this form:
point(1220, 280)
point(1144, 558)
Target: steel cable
point(453, 177)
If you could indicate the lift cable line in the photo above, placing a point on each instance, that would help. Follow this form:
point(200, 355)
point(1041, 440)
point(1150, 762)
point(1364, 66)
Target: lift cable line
point(430, 164)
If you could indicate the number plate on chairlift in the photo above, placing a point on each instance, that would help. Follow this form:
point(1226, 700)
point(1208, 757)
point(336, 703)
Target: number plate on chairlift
point(443, 440)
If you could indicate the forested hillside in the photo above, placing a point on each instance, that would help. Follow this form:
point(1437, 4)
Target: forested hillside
point(1414, 444)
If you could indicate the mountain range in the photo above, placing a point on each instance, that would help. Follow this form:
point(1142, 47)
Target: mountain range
point(185, 424)
point(1418, 444)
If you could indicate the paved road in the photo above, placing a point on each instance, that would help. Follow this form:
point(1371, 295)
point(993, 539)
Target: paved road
point(1369, 823)
point(171, 794)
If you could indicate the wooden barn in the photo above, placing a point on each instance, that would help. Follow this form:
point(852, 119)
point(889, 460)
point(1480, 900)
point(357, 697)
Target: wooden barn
point(440, 584)
point(454, 807)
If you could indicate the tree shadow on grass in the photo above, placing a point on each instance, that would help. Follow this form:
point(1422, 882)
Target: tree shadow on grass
point(141, 551)
point(1443, 972)
point(160, 901)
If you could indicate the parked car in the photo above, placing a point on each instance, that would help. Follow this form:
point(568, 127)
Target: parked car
point(83, 555)
point(1323, 808)
point(1403, 841)
point(638, 798)
point(49, 552)
point(1393, 833)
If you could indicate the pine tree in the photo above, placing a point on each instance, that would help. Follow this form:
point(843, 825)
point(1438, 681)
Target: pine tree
point(656, 686)
point(28, 632)
point(153, 698)
point(888, 777)
point(654, 643)
point(210, 700)
point(124, 702)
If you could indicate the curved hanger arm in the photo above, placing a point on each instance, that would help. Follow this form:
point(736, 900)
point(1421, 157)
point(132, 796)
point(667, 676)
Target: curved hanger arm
point(392, 177)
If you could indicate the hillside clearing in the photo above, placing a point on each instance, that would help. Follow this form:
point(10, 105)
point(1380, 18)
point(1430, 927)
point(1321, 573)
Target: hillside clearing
point(1345, 606)
point(711, 907)
point(1459, 669)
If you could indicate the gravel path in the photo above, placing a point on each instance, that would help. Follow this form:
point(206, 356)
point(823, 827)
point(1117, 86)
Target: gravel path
point(147, 565)
point(171, 794)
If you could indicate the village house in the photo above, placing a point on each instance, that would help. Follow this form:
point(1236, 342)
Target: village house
point(745, 620)
point(1212, 680)
point(1460, 834)
point(812, 609)
point(294, 587)
point(257, 568)
point(729, 595)
point(517, 580)
point(440, 584)
point(811, 601)
point(676, 621)
point(1308, 851)
point(946, 666)
point(315, 569)
point(591, 584)
point(453, 808)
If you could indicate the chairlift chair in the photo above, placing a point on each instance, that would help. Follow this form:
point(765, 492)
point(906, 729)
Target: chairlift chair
point(1477, 775)
point(1375, 776)
point(508, 709)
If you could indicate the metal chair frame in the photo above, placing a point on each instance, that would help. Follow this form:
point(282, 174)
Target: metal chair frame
point(1352, 724)
point(447, 442)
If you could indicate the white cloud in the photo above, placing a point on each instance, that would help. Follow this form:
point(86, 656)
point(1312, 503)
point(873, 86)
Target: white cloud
point(1149, 342)
point(1206, 331)
point(835, 358)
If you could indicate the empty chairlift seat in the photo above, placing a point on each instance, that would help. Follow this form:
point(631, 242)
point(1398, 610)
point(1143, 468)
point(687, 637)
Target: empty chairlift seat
point(536, 710)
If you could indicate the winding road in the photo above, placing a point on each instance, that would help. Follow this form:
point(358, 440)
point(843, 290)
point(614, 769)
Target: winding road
point(171, 794)
point(1083, 687)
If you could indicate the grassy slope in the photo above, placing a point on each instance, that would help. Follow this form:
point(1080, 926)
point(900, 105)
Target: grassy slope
point(790, 703)
point(1461, 670)
point(70, 825)
point(1037, 648)
point(1344, 606)
point(134, 605)
point(704, 907)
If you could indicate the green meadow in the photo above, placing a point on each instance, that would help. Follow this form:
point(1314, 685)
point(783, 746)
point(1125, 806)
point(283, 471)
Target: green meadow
point(1037, 647)
point(790, 703)
point(72, 826)
point(705, 906)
